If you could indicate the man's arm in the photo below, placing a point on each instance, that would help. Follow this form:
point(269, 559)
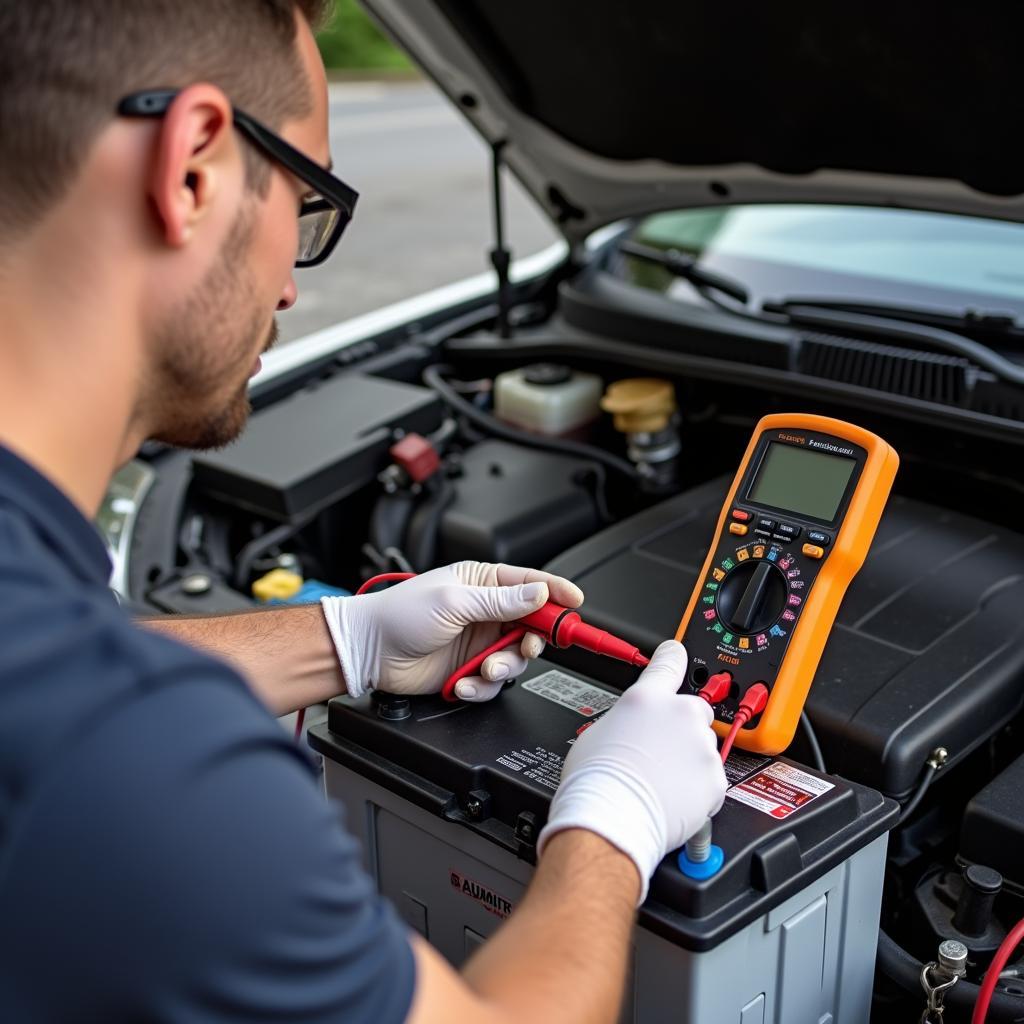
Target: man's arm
point(286, 654)
point(407, 639)
point(561, 957)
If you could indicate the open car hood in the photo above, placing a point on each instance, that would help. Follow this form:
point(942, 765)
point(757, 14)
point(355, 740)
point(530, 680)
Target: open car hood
point(605, 109)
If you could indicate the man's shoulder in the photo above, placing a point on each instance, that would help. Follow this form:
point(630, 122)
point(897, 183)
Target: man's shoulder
point(206, 865)
point(72, 659)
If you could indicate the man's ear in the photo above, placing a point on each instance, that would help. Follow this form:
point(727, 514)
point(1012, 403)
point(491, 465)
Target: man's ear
point(195, 150)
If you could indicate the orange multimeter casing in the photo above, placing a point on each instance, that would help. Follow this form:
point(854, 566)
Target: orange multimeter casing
point(793, 532)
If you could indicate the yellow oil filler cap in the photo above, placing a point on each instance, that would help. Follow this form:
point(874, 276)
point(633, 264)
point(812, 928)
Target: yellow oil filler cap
point(640, 405)
point(278, 583)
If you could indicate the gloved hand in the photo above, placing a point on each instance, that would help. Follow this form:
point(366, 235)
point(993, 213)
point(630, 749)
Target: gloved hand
point(647, 774)
point(411, 637)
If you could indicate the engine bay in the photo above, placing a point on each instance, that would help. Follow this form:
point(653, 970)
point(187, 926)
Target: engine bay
point(603, 459)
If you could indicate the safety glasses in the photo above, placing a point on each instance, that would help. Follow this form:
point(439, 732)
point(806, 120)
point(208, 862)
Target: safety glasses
point(323, 216)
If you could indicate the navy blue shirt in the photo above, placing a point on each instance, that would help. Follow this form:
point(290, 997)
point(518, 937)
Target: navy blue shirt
point(165, 854)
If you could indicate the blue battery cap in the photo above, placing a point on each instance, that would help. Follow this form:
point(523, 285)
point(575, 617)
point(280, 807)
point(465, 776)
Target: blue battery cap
point(702, 869)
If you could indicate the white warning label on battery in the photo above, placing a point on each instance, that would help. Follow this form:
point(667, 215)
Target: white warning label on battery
point(740, 765)
point(779, 790)
point(583, 698)
point(543, 766)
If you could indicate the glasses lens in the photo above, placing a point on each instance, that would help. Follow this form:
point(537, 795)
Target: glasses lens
point(317, 225)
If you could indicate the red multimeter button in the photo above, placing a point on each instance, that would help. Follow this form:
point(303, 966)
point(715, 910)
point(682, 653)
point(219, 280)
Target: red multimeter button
point(738, 513)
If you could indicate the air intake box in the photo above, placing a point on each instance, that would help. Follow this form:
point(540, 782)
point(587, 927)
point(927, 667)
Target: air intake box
point(318, 445)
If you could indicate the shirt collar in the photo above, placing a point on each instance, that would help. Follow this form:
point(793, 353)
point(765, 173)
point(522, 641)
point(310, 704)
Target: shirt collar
point(54, 518)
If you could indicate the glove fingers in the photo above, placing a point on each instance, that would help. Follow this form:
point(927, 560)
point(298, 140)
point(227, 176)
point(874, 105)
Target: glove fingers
point(476, 689)
point(562, 590)
point(666, 671)
point(532, 646)
point(501, 604)
point(503, 665)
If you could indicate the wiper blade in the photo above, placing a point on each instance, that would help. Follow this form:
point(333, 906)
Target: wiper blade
point(838, 319)
point(971, 319)
point(681, 264)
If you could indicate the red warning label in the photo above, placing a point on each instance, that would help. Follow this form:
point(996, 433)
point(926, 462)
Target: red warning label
point(779, 790)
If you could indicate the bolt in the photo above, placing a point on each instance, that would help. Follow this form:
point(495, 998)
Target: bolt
point(392, 708)
point(938, 757)
point(526, 830)
point(698, 846)
point(473, 807)
point(196, 584)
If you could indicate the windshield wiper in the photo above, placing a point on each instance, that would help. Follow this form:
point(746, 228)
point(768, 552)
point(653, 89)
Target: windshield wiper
point(898, 324)
point(681, 264)
point(935, 330)
point(1001, 324)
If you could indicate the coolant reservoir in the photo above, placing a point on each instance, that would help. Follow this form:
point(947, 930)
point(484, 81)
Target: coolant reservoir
point(547, 398)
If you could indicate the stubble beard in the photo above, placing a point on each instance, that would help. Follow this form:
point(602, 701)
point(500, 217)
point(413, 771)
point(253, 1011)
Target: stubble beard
point(204, 346)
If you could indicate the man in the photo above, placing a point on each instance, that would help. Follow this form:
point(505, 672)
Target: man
point(164, 853)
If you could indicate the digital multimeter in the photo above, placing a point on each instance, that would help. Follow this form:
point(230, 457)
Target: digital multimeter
point(794, 530)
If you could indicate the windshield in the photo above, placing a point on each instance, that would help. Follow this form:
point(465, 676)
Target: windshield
point(856, 254)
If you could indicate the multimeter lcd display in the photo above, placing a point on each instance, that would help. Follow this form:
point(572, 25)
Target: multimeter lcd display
point(798, 480)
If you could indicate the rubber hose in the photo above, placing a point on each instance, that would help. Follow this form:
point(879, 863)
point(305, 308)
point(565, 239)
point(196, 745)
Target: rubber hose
point(421, 537)
point(898, 965)
point(433, 377)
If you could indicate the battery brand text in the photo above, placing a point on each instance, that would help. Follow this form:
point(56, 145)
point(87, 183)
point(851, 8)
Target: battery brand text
point(487, 898)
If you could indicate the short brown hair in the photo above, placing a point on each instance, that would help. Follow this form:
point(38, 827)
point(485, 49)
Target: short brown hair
point(65, 65)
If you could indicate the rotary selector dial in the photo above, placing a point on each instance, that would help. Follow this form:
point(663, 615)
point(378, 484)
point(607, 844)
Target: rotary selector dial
point(752, 597)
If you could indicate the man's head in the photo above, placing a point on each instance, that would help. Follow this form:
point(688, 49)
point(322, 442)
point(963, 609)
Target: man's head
point(203, 224)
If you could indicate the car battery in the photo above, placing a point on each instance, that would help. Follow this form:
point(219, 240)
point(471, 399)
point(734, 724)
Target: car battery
point(448, 802)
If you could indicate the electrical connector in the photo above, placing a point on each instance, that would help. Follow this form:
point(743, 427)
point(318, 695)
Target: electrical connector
point(752, 703)
point(717, 688)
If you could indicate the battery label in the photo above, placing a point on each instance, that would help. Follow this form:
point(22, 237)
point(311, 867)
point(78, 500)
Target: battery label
point(543, 766)
point(583, 698)
point(740, 765)
point(483, 894)
point(779, 790)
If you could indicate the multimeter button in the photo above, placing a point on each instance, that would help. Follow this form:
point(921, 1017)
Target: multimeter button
point(813, 551)
point(788, 530)
point(819, 538)
point(740, 514)
point(737, 528)
point(763, 523)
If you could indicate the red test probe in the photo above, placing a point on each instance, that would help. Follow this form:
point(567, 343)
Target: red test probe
point(753, 702)
point(556, 624)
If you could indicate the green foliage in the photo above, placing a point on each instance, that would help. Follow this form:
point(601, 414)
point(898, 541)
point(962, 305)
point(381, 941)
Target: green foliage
point(350, 40)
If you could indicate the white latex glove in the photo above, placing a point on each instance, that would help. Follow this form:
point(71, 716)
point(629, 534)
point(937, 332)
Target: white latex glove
point(411, 637)
point(647, 774)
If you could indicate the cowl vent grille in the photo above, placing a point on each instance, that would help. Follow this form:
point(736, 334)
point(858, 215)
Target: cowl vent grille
point(929, 376)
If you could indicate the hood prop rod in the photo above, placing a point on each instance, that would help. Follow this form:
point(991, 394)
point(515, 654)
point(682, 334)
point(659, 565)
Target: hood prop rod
point(500, 255)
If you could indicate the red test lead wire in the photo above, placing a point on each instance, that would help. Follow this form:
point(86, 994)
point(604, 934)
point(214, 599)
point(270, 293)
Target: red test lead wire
point(988, 985)
point(751, 703)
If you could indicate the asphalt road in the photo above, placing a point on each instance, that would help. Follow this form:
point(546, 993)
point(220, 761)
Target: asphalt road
point(424, 217)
